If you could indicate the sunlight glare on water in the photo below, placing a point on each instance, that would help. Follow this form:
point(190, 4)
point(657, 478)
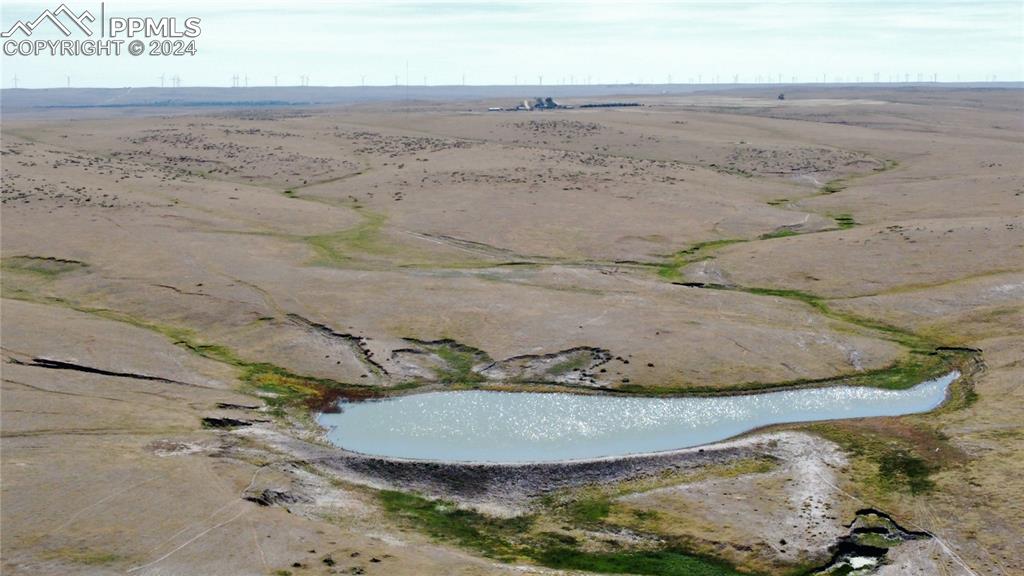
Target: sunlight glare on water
point(483, 426)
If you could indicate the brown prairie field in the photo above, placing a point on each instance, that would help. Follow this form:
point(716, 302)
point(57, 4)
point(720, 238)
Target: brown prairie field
point(182, 285)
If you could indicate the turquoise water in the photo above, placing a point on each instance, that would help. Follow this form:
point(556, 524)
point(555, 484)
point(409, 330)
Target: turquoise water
point(483, 426)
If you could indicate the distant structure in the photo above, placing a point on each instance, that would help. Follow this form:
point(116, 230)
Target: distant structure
point(548, 103)
point(782, 96)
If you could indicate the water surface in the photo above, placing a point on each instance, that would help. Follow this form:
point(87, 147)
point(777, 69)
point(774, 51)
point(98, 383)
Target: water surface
point(483, 426)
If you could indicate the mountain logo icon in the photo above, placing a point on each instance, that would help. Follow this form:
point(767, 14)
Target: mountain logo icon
point(78, 20)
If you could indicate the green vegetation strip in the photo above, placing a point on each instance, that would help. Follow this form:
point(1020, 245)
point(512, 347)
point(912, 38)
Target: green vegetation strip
point(279, 388)
point(886, 331)
point(840, 184)
point(780, 233)
point(666, 562)
point(699, 251)
point(337, 248)
point(671, 269)
point(43, 266)
point(906, 372)
point(833, 186)
point(924, 359)
point(459, 363)
point(844, 220)
point(890, 465)
point(513, 539)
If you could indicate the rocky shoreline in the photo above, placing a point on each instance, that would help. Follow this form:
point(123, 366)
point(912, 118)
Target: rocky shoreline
point(490, 483)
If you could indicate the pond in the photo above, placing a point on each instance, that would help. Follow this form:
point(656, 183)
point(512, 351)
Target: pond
point(517, 427)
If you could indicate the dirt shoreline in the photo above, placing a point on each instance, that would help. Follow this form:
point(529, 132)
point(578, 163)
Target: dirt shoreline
point(480, 483)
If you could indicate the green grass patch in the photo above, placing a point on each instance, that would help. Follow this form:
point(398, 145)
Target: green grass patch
point(780, 233)
point(709, 245)
point(514, 539)
point(900, 468)
point(661, 562)
point(282, 389)
point(669, 269)
point(340, 247)
point(458, 363)
point(888, 331)
point(891, 463)
point(840, 184)
point(844, 220)
point(286, 388)
point(43, 266)
point(805, 297)
point(367, 246)
point(578, 361)
point(279, 387)
point(877, 540)
point(833, 186)
point(913, 369)
point(588, 510)
point(470, 529)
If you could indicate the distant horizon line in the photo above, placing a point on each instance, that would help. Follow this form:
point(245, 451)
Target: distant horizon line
point(603, 84)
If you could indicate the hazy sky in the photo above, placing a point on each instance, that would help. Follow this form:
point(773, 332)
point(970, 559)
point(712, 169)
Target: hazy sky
point(339, 43)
